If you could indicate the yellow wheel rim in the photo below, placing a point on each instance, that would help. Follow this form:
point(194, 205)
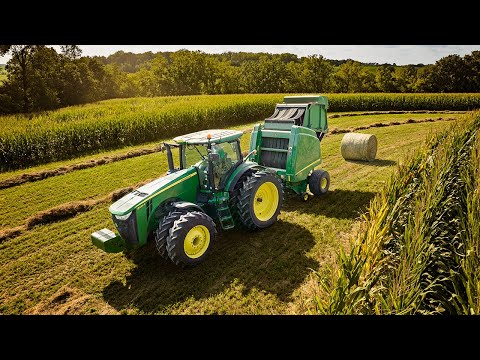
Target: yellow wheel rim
point(265, 201)
point(323, 183)
point(196, 242)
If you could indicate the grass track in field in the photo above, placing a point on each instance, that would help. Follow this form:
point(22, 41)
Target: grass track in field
point(54, 268)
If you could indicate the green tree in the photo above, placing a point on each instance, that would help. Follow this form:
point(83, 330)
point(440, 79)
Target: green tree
point(349, 77)
point(295, 75)
point(385, 78)
point(186, 72)
point(118, 83)
point(210, 76)
point(265, 76)
point(312, 75)
point(369, 83)
point(449, 74)
point(19, 68)
point(472, 61)
point(45, 79)
point(406, 79)
point(71, 51)
point(228, 78)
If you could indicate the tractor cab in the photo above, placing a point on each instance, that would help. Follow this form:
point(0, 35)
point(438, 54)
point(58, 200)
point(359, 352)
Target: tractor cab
point(214, 153)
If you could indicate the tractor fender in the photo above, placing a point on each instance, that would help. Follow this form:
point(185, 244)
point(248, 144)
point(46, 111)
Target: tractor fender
point(239, 171)
point(183, 205)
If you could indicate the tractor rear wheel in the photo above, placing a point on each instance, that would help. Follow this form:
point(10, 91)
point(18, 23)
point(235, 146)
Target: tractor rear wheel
point(163, 230)
point(260, 200)
point(233, 201)
point(190, 238)
point(319, 182)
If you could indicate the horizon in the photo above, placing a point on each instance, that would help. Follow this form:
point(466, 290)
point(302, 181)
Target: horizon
point(391, 54)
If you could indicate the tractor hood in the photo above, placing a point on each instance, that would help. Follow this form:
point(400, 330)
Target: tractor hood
point(131, 201)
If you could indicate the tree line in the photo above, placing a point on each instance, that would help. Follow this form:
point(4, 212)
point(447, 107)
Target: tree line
point(40, 78)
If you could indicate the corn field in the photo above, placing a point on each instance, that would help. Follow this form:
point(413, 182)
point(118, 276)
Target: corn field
point(27, 140)
point(419, 247)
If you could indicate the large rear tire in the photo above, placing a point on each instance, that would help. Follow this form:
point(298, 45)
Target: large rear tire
point(260, 200)
point(319, 182)
point(233, 201)
point(190, 239)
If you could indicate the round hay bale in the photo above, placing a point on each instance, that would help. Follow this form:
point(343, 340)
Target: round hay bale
point(356, 146)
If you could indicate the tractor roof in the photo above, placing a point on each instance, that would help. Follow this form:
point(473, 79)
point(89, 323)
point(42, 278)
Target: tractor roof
point(216, 136)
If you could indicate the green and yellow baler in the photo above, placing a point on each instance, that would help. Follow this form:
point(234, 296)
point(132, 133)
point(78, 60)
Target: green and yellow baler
point(289, 143)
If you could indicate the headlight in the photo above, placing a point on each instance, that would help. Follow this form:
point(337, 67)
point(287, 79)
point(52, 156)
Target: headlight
point(123, 217)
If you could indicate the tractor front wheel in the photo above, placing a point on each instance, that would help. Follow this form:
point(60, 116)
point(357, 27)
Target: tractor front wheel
point(163, 230)
point(260, 200)
point(319, 182)
point(190, 238)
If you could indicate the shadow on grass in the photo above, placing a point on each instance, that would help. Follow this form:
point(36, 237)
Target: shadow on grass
point(271, 259)
point(376, 162)
point(338, 203)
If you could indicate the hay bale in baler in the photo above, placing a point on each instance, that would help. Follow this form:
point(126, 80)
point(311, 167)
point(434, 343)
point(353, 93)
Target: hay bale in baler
point(357, 146)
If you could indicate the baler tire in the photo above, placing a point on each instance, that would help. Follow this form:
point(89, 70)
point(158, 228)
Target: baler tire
point(319, 182)
point(183, 234)
point(163, 230)
point(249, 196)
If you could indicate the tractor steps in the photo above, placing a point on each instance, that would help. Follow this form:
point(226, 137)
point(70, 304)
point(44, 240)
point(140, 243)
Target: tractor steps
point(225, 216)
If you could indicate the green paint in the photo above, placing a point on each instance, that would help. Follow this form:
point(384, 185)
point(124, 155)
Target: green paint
point(303, 152)
point(137, 214)
point(135, 199)
point(108, 241)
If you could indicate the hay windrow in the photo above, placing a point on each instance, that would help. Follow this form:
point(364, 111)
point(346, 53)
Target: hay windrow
point(61, 212)
point(41, 175)
point(392, 123)
point(335, 116)
point(66, 211)
point(11, 232)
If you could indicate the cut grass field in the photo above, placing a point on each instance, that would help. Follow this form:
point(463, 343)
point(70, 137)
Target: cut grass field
point(54, 268)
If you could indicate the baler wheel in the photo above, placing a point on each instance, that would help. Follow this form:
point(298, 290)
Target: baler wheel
point(304, 197)
point(319, 182)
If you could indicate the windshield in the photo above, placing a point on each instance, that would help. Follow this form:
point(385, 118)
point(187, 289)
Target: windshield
point(194, 154)
point(227, 158)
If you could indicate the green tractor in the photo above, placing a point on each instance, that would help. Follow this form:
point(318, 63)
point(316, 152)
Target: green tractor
point(213, 183)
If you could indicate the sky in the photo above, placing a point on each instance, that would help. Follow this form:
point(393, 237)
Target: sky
point(398, 54)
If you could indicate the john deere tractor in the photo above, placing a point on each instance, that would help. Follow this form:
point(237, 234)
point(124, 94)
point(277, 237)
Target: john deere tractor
point(213, 184)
